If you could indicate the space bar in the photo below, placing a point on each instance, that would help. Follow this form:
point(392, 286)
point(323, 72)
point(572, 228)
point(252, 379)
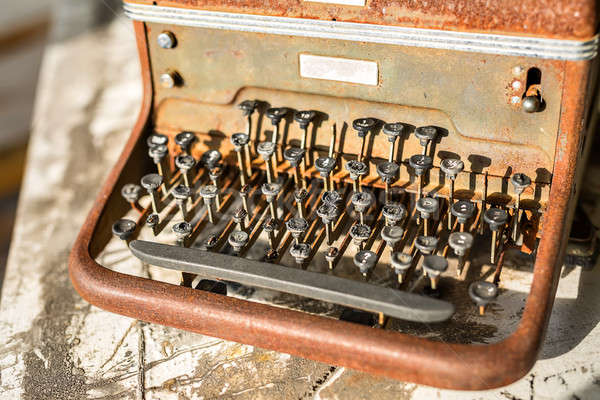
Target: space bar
point(332, 289)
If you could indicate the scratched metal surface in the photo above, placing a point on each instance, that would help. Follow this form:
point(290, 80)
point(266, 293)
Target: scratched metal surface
point(54, 345)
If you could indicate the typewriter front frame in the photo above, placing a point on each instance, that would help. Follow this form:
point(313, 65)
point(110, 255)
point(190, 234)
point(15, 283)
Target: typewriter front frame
point(387, 353)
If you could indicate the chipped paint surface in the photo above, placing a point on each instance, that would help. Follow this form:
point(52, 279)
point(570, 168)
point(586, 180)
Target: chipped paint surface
point(55, 345)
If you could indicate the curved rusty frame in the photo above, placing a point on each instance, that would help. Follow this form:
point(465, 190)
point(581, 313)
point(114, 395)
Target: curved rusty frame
point(388, 353)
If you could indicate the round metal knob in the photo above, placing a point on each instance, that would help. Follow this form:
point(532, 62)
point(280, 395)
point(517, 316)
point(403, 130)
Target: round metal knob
point(363, 125)
point(393, 130)
point(495, 217)
point(237, 240)
point(426, 244)
point(462, 210)
point(294, 155)
point(325, 165)
point(483, 292)
point(211, 158)
point(388, 171)
point(184, 140)
point(451, 167)
point(394, 212)
point(300, 252)
point(365, 260)
point(239, 140)
point(331, 197)
point(151, 182)
point(531, 104)
point(123, 228)
point(435, 265)
point(356, 169)
point(420, 163)
point(520, 182)
point(248, 106)
point(460, 242)
point(427, 206)
point(362, 200)
point(276, 114)
point(392, 234)
point(131, 192)
point(304, 117)
point(266, 150)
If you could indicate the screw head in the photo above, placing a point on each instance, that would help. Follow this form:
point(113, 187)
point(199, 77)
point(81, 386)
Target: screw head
point(331, 254)
point(156, 139)
point(239, 140)
point(483, 292)
point(270, 224)
point(520, 182)
point(158, 152)
point(363, 126)
point(211, 241)
point(152, 220)
point(276, 114)
point(151, 182)
point(131, 192)
point(304, 117)
point(270, 190)
point(435, 265)
point(495, 217)
point(325, 165)
point(451, 167)
point(239, 215)
point(297, 226)
point(181, 192)
point(426, 244)
point(426, 134)
point(211, 158)
point(208, 192)
point(401, 261)
point(393, 130)
point(531, 104)
point(394, 212)
point(300, 195)
point(123, 228)
point(185, 162)
point(238, 239)
point(356, 169)
point(166, 40)
point(248, 106)
point(169, 79)
point(392, 234)
point(365, 260)
point(293, 155)
point(182, 230)
point(327, 212)
point(460, 242)
point(420, 163)
point(300, 252)
point(184, 140)
point(360, 232)
point(388, 171)
point(331, 197)
point(427, 206)
point(362, 200)
point(462, 210)
point(266, 149)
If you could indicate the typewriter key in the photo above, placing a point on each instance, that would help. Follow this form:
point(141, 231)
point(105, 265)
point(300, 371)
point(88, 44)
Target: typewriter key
point(331, 255)
point(460, 242)
point(123, 229)
point(361, 202)
point(184, 140)
point(356, 169)
point(331, 197)
point(401, 263)
point(266, 150)
point(182, 231)
point(520, 182)
point(328, 214)
point(363, 126)
point(483, 293)
point(239, 217)
point(365, 260)
point(451, 167)
point(185, 163)
point(297, 227)
point(300, 196)
point(156, 139)
point(131, 193)
point(393, 213)
point(392, 234)
point(304, 118)
point(434, 266)
point(495, 218)
point(426, 244)
point(421, 164)
point(462, 210)
point(244, 191)
point(152, 222)
point(237, 240)
point(325, 165)
point(276, 115)
point(151, 182)
point(210, 242)
point(300, 252)
point(427, 206)
point(214, 174)
point(388, 172)
point(240, 141)
point(425, 134)
point(271, 190)
point(359, 234)
point(270, 226)
point(211, 158)
point(393, 131)
point(294, 156)
point(182, 194)
point(208, 193)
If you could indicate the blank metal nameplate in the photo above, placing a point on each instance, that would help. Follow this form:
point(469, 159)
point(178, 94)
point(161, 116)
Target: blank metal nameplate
point(339, 69)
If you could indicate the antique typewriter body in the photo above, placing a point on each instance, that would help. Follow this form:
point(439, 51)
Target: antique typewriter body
point(355, 182)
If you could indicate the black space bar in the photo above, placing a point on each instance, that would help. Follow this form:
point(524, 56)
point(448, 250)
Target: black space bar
point(332, 289)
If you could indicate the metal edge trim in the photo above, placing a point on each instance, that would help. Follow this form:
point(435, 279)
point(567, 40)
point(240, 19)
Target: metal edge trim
point(523, 46)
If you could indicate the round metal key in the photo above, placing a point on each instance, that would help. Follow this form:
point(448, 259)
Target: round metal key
point(363, 125)
point(248, 106)
point(239, 140)
point(297, 226)
point(327, 212)
point(427, 206)
point(392, 234)
point(300, 252)
point(331, 197)
point(208, 192)
point(420, 163)
point(483, 292)
point(388, 171)
point(394, 212)
point(123, 228)
point(184, 140)
point(451, 167)
point(460, 242)
point(520, 182)
point(276, 114)
point(462, 210)
point(182, 230)
point(151, 182)
point(131, 192)
point(495, 217)
point(426, 134)
point(365, 260)
point(360, 232)
point(435, 265)
point(362, 200)
point(294, 155)
point(393, 130)
point(266, 149)
point(270, 189)
point(181, 192)
point(356, 169)
point(325, 165)
point(185, 162)
point(211, 158)
point(426, 244)
point(158, 152)
point(237, 240)
point(156, 139)
point(304, 117)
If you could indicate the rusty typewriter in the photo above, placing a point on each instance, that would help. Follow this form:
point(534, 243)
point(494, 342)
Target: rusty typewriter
point(363, 183)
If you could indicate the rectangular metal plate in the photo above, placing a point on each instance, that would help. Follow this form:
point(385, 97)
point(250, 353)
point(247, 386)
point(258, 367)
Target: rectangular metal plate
point(339, 69)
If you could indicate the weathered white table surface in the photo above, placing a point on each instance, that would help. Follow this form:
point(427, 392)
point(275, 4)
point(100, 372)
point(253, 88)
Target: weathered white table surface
point(53, 345)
